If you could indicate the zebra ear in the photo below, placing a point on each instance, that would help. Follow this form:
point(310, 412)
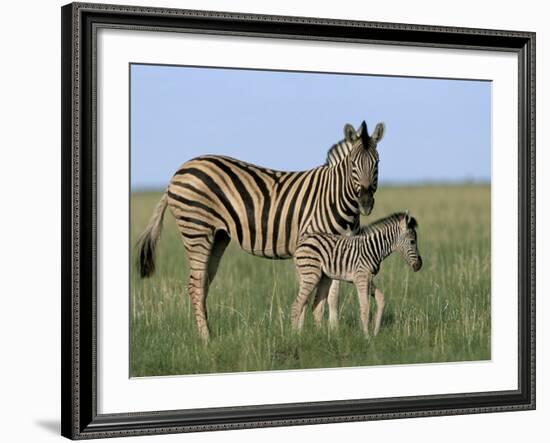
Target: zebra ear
point(378, 133)
point(349, 132)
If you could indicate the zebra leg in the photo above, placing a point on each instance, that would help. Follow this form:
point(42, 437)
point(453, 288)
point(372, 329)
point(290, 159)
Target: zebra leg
point(333, 304)
point(198, 289)
point(380, 303)
point(363, 290)
point(297, 310)
point(221, 240)
point(203, 254)
point(302, 317)
point(320, 299)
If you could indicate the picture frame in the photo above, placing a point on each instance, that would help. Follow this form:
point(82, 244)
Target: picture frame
point(80, 210)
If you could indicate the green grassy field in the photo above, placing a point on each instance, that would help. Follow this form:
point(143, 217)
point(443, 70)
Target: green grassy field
point(439, 314)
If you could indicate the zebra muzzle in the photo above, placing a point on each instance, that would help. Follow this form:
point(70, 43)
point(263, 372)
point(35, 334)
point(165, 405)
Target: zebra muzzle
point(366, 202)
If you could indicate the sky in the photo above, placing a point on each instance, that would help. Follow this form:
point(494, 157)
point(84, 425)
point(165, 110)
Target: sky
point(437, 130)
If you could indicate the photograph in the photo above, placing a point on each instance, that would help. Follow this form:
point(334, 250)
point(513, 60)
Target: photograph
point(293, 220)
point(274, 219)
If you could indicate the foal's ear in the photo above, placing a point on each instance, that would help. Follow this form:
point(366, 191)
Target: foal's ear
point(349, 132)
point(378, 133)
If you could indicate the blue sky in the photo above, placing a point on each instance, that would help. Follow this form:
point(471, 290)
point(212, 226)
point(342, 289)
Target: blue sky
point(436, 130)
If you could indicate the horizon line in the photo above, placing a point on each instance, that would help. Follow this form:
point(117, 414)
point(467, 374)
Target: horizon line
point(390, 184)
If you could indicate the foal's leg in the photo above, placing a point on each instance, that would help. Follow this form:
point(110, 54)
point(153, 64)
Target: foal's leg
point(380, 303)
point(320, 299)
point(363, 285)
point(333, 304)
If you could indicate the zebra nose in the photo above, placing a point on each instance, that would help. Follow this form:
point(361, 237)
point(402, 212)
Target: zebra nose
point(367, 209)
point(417, 264)
point(366, 204)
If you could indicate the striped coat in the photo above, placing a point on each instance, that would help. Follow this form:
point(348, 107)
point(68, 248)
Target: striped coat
point(320, 258)
point(215, 198)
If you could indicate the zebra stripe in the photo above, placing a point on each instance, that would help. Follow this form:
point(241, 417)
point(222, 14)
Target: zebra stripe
point(321, 257)
point(265, 220)
point(217, 198)
point(268, 209)
point(338, 152)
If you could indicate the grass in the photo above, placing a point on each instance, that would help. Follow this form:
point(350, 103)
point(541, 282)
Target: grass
point(439, 314)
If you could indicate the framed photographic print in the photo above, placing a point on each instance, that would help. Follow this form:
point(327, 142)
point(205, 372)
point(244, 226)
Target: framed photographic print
point(273, 221)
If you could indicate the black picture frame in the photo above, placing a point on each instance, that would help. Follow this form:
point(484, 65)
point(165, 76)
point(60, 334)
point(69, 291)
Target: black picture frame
point(79, 175)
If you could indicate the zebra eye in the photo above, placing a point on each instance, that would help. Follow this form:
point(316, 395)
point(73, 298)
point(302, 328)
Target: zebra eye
point(413, 242)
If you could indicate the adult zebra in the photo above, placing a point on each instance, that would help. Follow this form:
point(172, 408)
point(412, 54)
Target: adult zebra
point(216, 198)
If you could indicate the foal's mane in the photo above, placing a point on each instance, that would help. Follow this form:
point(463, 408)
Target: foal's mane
point(391, 219)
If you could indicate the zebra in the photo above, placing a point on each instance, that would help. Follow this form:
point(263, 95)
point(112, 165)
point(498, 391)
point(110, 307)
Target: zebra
point(216, 198)
point(321, 257)
point(334, 156)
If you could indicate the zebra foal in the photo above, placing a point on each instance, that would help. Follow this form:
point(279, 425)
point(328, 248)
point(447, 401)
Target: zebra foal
point(321, 258)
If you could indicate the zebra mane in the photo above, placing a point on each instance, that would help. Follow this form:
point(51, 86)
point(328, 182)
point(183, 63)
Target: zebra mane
point(340, 150)
point(337, 152)
point(389, 220)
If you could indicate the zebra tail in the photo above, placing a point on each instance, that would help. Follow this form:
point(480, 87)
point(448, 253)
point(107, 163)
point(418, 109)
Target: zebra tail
point(147, 242)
